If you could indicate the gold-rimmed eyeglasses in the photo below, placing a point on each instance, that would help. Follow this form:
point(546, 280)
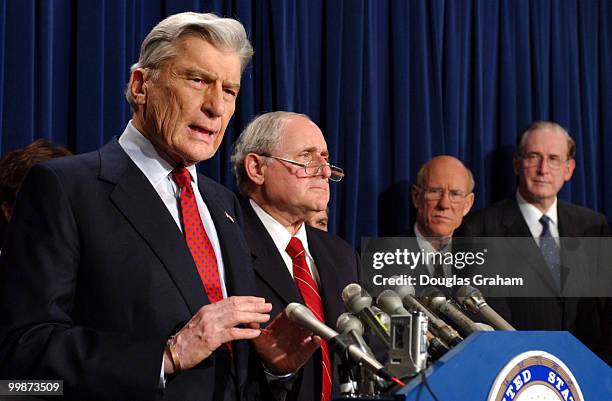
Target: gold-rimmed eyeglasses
point(313, 168)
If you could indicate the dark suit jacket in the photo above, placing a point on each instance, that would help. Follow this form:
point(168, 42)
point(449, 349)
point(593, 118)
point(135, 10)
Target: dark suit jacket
point(96, 275)
point(409, 242)
point(337, 266)
point(581, 316)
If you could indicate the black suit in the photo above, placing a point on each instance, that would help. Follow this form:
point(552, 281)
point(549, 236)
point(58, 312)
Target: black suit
point(96, 275)
point(337, 266)
point(581, 316)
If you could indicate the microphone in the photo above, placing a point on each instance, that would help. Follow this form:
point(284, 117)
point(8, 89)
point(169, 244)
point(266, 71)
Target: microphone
point(391, 303)
point(435, 300)
point(405, 296)
point(350, 325)
point(382, 317)
point(472, 299)
point(302, 316)
point(359, 302)
point(366, 382)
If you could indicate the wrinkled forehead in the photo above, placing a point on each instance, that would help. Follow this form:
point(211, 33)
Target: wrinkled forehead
point(546, 141)
point(300, 135)
point(451, 177)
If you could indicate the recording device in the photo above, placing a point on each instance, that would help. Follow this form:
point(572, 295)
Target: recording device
point(435, 300)
point(302, 316)
point(391, 302)
point(408, 351)
point(359, 302)
point(471, 299)
point(405, 295)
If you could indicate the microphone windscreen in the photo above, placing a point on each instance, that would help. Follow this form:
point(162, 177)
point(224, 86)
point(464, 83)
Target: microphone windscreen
point(295, 308)
point(405, 290)
point(356, 298)
point(389, 301)
point(347, 322)
point(466, 291)
point(350, 291)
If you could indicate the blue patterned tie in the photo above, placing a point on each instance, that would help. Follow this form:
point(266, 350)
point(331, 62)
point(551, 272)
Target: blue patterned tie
point(550, 251)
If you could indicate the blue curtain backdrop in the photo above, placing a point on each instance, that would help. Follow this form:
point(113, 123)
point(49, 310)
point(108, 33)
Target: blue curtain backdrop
point(391, 83)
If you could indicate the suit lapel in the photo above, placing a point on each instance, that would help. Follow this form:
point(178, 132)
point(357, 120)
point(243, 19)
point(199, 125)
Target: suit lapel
point(516, 227)
point(142, 207)
point(267, 262)
point(328, 279)
point(239, 275)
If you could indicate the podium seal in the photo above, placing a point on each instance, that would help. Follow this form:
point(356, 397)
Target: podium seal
point(535, 375)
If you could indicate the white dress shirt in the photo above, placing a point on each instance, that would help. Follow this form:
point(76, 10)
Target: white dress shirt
point(281, 238)
point(430, 250)
point(532, 216)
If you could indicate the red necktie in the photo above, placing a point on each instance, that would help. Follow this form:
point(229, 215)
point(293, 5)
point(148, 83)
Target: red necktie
point(312, 299)
point(199, 244)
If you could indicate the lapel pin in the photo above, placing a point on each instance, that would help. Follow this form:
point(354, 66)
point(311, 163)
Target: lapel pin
point(229, 217)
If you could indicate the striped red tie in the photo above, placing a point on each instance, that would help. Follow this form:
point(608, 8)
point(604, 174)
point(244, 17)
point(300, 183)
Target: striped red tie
point(312, 299)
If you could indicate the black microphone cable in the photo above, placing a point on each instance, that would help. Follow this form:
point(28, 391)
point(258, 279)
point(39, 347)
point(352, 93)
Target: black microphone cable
point(426, 384)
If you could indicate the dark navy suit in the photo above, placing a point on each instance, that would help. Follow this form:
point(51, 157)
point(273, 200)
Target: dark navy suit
point(95, 276)
point(337, 266)
point(581, 316)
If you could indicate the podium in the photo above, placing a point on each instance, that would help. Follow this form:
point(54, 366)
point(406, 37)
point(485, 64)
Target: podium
point(484, 360)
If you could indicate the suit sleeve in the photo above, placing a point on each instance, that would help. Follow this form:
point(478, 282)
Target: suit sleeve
point(39, 271)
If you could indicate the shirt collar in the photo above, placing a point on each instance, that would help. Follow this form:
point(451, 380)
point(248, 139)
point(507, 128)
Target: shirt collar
point(532, 214)
point(278, 232)
point(145, 156)
point(426, 245)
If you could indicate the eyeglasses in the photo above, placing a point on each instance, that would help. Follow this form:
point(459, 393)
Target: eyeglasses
point(534, 159)
point(432, 194)
point(312, 168)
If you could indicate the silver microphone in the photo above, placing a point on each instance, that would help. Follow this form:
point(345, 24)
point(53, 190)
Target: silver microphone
point(435, 300)
point(350, 325)
point(303, 316)
point(470, 298)
point(359, 302)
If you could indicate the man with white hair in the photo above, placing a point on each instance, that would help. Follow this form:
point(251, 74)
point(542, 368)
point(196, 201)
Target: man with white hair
point(126, 273)
point(544, 162)
point(281, 163)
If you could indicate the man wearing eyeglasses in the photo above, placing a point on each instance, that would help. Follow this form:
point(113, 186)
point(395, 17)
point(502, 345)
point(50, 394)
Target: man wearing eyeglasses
point(442, 195)
point(281, 163)
point(544, 162)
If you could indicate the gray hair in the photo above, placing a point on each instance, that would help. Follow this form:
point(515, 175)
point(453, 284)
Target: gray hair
point(538, 125)
point(261, 136)
point(159, 45)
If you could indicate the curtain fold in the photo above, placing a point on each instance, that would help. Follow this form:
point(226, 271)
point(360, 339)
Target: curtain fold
point(391, 83)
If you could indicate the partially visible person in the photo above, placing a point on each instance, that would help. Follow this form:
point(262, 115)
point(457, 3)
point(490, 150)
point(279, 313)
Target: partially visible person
point(281, 163)
point(126, 273)
point(319, 219)
point(544, 162)
point(13, 167)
